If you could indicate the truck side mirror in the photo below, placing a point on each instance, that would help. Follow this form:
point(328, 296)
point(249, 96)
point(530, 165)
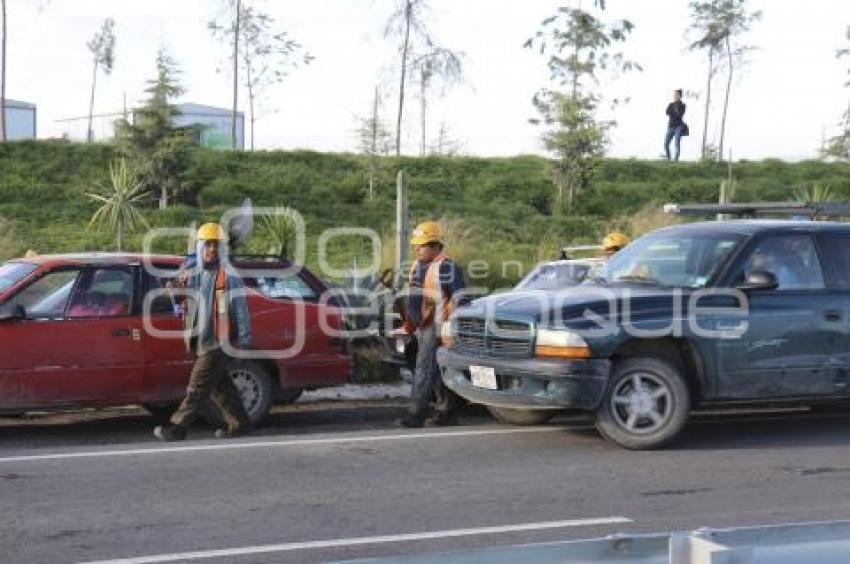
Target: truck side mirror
point(759, 280)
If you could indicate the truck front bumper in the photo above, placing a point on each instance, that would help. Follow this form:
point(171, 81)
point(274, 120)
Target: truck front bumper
point(528, 383)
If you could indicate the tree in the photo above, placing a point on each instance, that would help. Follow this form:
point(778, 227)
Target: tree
point(445, 144)
point(158, 150)
point(441, 63)
point(579, 46)
point(119, 202)
point(373, 139)
point(102, 48)
point(407, 23)
point(839, 146)
point(267, 56)
point(709, 38)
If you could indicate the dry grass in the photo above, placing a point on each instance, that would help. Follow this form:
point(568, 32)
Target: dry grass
point(646, 219)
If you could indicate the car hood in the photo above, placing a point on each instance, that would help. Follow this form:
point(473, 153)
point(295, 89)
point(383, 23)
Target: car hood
point(540, 305)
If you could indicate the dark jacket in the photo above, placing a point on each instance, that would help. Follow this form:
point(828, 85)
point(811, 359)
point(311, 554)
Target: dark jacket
point(675, 110)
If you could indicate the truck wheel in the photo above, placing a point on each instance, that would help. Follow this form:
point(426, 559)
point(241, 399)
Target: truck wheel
point(521, 416)
point(255, 387)
point(645, 405)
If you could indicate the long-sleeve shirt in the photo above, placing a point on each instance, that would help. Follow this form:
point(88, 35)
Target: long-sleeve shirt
point(451, 282)
point(675, 111)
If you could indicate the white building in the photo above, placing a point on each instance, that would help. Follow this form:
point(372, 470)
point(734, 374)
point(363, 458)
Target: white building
point(20, 120)
point(214, 125)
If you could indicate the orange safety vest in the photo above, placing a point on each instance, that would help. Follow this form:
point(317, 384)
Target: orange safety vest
point(221, 317)
point(431, 287)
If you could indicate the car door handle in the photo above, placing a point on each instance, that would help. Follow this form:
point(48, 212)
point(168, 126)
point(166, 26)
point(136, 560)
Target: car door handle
point(120, 332)
point(832, 315)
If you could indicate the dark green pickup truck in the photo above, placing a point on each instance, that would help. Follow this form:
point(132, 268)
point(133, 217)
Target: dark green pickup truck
point(702, 314)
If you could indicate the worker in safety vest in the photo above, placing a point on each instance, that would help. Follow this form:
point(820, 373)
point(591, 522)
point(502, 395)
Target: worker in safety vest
point(213, 316)
point(433, 285)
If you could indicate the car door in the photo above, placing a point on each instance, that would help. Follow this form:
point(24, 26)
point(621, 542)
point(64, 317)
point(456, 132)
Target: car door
point(794, 332)
point(167, 362)
point(836, 266)
point(80, 340)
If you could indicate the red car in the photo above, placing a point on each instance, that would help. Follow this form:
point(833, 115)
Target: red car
point(72, 334)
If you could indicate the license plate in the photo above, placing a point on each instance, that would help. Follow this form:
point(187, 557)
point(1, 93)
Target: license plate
point(483, 377)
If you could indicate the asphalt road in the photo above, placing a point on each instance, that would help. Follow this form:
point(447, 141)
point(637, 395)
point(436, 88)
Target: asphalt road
point(334, 482)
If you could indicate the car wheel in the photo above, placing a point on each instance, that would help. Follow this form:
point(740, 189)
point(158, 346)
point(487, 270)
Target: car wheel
point(255, 387)
point(521, 416)
point(289, 395)
point(645, 405)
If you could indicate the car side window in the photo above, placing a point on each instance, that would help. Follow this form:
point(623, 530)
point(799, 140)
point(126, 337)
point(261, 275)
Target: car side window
point(292, 286)
point(836, 264)
point(103, 292)
point(793, 259)
point(162, 304)
point(47, 297)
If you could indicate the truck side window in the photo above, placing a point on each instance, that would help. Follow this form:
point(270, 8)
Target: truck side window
point(793, 259)
point(836, 264)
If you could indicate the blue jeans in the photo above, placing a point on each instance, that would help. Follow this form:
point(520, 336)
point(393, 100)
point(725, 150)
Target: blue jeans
point(673, 133)
point(428, 387)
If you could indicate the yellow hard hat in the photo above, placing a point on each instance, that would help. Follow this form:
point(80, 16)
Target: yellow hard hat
point(426, 232)
point(615, 239)
point(211, 232)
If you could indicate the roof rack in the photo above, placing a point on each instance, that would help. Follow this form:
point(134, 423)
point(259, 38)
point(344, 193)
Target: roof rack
point(808, 210)
point(565, 253)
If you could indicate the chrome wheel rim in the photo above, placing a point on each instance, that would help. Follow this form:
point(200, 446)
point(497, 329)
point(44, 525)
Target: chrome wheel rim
point(642, 403)
point(249, 388)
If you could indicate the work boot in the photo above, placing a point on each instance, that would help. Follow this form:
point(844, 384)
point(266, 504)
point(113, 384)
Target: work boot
point(443, 419)
point(410, 421)
point(169, 433)
point(228, 433)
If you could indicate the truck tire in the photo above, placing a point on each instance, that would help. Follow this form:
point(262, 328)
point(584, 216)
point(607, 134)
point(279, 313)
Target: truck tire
point(646, 403)
point(522, 417)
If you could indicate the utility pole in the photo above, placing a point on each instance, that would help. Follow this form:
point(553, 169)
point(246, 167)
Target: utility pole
point(402, 223)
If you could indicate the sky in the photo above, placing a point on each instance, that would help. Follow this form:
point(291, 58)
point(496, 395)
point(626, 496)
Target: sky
point(783, 102)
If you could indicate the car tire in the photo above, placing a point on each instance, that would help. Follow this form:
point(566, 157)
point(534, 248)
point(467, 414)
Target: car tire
point(646, 403)
point(289, 395)
point(255, 387)
point(523, 417)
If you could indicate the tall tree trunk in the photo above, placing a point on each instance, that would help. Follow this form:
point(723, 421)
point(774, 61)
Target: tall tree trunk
point(89, 132)
point(707, 100)
point(163, 197)
point(373, 148)
point(235, 72)
point(726, 100)
point(404, 50)
point(424, 109)
point(250, 100)
point(3, 80)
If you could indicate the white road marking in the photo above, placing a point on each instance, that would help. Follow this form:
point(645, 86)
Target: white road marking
point(337, 543)
point(228, 445)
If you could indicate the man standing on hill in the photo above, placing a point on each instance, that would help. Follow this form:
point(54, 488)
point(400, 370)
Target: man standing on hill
point(433, 283)
point(676, 128)
point(213, 315)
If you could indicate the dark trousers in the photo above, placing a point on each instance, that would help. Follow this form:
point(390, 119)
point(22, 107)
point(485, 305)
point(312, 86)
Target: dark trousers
point(428, 385)
point(673, 133)
point(210, 381)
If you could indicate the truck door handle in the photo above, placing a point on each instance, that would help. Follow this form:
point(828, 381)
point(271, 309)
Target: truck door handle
point(120, 332)
point(832, 315)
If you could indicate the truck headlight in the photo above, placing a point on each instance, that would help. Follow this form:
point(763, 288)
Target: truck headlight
point(446, 335)
point(560, 343)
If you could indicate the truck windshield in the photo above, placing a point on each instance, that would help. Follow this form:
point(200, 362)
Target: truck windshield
point(552, 276)
point(13, 272)
point(673, 258)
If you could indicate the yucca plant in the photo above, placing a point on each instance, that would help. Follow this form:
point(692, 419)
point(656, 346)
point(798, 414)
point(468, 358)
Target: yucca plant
point(280, 228)
point(816, 193)
point(119, 201)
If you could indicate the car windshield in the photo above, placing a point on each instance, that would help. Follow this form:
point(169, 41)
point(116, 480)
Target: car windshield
point(554, 275)
point(13, 272)
point(670, 258)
